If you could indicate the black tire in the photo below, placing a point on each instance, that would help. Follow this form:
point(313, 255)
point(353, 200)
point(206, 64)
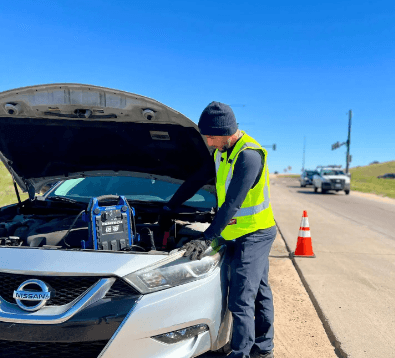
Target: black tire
point(323, 191)
point(226, 349)
point(302, 186)
point(347, 192)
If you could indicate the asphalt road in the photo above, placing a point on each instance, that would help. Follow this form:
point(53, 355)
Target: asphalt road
point(352, 277)
point(378, 216)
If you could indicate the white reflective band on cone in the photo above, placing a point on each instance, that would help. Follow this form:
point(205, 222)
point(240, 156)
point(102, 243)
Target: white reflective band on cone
point(304, 233)
point(305, 222)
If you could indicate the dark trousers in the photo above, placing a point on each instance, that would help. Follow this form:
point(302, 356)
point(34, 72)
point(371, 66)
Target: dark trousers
point(249, 292)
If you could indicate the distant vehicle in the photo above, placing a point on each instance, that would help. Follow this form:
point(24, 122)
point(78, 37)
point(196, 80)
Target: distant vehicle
point(306, 178)
point(331, 178)
point(387, 176)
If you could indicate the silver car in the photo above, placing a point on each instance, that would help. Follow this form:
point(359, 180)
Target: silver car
point(61, 293)
point(306, 178)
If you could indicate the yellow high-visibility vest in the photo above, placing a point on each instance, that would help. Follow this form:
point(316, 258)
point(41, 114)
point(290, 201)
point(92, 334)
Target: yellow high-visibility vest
point(256, 211)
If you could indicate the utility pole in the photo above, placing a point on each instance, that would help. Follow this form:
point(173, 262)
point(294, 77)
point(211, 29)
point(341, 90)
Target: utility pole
point(348, 140)
point(338, 144)
point(304, 150)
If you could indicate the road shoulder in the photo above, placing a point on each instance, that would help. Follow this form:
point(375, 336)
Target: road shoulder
point(298, 331)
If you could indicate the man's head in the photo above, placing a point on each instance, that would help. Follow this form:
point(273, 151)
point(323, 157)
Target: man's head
point(218, 124)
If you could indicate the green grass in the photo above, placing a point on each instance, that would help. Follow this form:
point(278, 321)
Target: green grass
point(365, 179)
point(7, 191)
point(289, 175)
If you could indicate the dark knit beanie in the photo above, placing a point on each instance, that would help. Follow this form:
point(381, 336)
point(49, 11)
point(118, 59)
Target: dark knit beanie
point(217, 119)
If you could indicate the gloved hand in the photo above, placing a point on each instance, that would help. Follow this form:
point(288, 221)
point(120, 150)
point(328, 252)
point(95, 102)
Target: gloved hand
point(196, 248)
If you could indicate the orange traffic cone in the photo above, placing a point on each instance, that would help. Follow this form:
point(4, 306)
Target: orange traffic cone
point(304, 247)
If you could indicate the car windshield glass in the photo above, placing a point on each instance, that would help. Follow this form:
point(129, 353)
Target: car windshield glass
point(311, 172)
point(332, 172)
point(142, 189)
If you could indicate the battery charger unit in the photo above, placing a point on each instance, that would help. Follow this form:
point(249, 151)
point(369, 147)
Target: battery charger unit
point(109, 225)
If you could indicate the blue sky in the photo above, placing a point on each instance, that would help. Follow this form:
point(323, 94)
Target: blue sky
point(296, 66)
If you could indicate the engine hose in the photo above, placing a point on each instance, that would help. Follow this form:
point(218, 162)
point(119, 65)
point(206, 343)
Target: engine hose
point(72, 225)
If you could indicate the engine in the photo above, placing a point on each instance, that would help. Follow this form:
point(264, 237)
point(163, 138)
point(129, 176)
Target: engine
point(55, 227)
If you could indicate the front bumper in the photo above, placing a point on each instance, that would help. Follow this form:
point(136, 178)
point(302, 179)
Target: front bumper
point(84, 335)
point(98, 322)
point(199, 302)
point(335, 186)
point(113, 327)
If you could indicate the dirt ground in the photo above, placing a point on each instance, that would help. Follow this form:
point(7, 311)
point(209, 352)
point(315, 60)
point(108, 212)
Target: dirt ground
point(298, 331)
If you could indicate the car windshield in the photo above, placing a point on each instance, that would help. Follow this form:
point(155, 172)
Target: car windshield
point(332, 172)
point(141, 189)
point(311, 172)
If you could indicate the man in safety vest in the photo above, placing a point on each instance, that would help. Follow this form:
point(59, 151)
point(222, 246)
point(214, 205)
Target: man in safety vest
point(245, 220)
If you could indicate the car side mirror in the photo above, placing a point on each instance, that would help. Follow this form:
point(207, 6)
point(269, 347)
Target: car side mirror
point(349, 175)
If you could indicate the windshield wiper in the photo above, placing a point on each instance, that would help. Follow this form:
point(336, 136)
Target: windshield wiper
point(147, 202)
point(162, 203)
point(65, 200)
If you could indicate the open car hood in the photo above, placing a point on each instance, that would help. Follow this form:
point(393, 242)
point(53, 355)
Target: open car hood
point(59, 131)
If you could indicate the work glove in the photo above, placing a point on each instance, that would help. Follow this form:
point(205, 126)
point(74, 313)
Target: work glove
point(195, 249)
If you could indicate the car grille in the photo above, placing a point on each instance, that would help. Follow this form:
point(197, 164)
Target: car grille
point(338, 181)
point(13, 349)
point(67, 288)
point(121, 289)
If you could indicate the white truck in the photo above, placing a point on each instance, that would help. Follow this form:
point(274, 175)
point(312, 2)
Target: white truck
point(331, 177)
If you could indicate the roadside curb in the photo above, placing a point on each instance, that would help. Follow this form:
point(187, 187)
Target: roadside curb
point(325, 322)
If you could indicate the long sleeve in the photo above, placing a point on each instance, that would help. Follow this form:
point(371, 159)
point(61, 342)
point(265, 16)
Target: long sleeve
point(247, 172)
point(189, 188)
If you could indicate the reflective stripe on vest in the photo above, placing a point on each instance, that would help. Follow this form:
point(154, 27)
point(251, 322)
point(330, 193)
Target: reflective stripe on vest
point(252, 209)
point(255, 212)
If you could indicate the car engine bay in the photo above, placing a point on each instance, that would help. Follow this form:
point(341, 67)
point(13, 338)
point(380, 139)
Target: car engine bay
point(60, 225)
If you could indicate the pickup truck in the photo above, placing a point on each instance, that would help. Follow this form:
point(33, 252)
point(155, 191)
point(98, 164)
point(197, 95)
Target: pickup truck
point(329, 178)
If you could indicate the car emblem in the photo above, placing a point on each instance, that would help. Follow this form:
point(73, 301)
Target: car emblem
point(37, 291)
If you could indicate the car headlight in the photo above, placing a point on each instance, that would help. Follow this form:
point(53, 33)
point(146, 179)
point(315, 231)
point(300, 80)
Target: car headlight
point(174, 271)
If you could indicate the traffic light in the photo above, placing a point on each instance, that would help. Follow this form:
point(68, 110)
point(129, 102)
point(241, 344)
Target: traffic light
point(335, 146)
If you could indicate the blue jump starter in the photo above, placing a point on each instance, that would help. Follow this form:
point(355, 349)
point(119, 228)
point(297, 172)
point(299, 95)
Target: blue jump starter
point(110, 226)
